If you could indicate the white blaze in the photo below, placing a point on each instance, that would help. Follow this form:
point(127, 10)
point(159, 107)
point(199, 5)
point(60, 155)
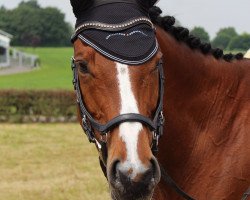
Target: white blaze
point(129, 131)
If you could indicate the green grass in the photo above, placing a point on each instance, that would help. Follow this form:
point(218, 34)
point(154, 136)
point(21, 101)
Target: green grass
point(49, 162)
point(54, 72)
point(235, 51)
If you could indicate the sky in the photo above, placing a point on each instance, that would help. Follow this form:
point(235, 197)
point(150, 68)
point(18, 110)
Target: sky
point(212, 14)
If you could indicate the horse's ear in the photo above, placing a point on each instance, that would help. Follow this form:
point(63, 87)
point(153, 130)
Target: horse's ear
point(80, 5)
point(147, 3)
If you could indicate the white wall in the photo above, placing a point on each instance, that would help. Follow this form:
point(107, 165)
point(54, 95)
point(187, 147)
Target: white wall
point(247, 55)
point(5, 43)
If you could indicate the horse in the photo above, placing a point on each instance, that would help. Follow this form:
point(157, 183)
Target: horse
point(157, 102)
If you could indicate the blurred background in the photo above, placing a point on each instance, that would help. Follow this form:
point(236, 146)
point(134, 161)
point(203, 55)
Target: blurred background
point(43, 152)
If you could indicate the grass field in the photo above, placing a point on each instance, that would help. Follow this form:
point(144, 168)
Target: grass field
point(54, 72)
point(49, 162)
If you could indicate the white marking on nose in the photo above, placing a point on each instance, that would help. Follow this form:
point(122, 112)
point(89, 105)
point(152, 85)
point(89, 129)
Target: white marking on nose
point(129, 131)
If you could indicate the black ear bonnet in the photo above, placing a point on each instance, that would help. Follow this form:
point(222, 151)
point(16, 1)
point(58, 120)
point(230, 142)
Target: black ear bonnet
point(118, 29)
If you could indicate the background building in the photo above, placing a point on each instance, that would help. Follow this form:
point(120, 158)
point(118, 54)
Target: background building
point(247, 55)
point(4, 49)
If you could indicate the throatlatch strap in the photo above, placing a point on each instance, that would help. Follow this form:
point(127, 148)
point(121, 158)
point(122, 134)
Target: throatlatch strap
point(173, 185)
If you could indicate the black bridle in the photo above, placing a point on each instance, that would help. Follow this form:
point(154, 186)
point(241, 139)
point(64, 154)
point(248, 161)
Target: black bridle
point(89, 124)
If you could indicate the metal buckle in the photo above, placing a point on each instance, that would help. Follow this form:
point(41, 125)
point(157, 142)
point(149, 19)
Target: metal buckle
point(98, 145)
point(161, 118)
point(156, 137)
point(84, 120)
point(87, 129)
point(158, 132)
point(73, 66)
point(154, 146)
point(104, 137)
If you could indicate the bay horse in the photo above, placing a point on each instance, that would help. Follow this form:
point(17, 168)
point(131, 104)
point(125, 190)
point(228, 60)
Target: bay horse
point(119, 74)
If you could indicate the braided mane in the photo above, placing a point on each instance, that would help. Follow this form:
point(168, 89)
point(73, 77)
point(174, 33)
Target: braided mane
point(182, 34)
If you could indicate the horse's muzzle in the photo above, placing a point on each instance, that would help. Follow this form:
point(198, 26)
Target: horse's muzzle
point(123, 187)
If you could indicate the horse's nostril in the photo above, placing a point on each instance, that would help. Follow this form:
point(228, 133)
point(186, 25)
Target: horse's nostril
point(115, 176)
point(156, 170)
point(113, 173)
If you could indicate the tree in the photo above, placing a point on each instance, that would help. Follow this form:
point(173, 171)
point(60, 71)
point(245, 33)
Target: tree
point(55, 30)
point(221, 41)
point(3, 16)
point(201, 33)
point(230, 31)
point(30, 4)
point(240, 42)
point(32, 25)
point(224, 37)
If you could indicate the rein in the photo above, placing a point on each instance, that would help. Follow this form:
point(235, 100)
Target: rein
point(246, 194)
point(173, 185)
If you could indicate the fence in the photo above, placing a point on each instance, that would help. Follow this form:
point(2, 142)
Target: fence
point(21, 59)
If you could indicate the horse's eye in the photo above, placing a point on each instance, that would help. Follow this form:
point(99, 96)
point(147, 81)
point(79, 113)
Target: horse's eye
point(83, 67)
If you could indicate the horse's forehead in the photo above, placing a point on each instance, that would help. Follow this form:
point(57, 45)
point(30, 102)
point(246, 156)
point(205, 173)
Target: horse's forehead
point(81, 49)
point(86, 52)
point(104, 64)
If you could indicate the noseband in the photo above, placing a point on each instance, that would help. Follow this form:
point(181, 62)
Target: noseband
point(89, 124)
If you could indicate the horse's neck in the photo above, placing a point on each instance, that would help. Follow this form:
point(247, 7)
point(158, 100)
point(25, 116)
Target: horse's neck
point(195, 84)
point(200, 107)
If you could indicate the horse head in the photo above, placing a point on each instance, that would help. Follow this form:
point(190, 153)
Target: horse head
point(118, 81)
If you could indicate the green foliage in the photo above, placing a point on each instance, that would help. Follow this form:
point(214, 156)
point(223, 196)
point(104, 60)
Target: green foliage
point(3, 17)
point(230, 31)
point(29, 4)
point(228, 38)
point(54, 71)
point(26, 106)
point(224, 37)
point(240, 42)
point(201, 33)
point(32, 25)
point(221, 41)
